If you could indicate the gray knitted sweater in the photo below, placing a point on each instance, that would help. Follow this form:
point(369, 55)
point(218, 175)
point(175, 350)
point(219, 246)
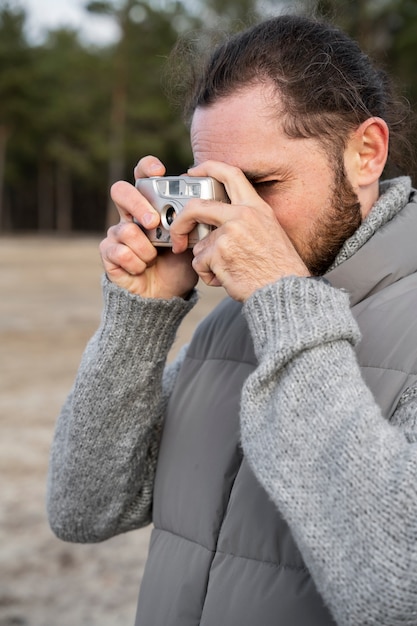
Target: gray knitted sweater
point(104, 452)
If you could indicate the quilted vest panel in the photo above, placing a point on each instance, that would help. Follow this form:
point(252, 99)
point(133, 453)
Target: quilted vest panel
point(220, 553)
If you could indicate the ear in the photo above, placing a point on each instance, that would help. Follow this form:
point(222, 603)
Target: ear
point(367, 152)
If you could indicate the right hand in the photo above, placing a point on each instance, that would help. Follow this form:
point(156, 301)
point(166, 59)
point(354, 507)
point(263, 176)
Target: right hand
point(130, 260)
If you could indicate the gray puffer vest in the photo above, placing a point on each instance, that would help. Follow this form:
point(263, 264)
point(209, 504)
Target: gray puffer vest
point(220, 553)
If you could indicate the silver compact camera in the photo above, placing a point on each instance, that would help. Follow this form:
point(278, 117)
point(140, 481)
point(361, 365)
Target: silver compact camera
point(169, 194)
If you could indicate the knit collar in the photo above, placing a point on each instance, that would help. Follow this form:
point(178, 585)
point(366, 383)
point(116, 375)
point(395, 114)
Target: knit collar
point(383, 249)
point(394, 194)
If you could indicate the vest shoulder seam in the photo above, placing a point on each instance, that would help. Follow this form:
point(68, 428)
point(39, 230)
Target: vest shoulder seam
point(387, 369)
point(283, 566)
point(222, 359)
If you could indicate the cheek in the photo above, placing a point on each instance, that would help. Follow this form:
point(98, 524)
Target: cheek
point(298, 215)
point(291, 210)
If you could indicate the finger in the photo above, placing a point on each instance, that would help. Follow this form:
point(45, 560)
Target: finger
point(132, 241)
point(197, 212)
point(119, 257)
point(149, 166)
point(127, 249)
point(238, 187)
point(130, 235)
point(130, 204)
point(204, 272)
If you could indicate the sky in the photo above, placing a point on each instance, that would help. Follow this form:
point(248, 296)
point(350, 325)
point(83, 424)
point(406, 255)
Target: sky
point(50, 14)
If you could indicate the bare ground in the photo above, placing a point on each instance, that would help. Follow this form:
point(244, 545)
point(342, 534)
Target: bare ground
point(50, 304)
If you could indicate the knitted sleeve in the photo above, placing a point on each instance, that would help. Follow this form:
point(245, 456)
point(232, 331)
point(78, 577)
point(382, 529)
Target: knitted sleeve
point(342, 475)
point(105, 446)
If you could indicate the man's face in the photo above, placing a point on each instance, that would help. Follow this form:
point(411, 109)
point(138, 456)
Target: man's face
point(310, 196)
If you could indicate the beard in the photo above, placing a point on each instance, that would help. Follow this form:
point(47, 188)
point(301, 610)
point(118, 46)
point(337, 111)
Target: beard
point(338, 221)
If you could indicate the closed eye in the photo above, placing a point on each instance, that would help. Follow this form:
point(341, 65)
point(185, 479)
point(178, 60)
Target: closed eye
point(265, 184)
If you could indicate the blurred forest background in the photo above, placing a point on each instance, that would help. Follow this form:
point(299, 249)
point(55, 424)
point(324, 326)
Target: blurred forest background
point(74, 117)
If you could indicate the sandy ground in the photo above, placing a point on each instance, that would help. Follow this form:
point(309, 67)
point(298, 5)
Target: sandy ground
point(50, 303)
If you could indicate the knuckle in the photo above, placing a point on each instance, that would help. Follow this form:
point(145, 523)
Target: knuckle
point(122, 255)
point(246, 212)
point(124, 231)
point(111, 232)
point(130, 230)
point(231, 232)
point(224, 246)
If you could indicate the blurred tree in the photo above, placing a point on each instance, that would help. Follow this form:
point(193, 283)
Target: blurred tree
point(119, 79)
point(70, 129)
point(141, 116)
point(16, 89)
point(229, 15)
point(141, 120)
point(154, 124)
point(396, 42)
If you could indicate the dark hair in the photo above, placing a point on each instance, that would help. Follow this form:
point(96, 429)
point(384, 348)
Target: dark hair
point(327, 84)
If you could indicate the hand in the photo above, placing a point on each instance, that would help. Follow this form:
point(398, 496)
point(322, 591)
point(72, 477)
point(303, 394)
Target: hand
point(248, 249)
point(130, 259)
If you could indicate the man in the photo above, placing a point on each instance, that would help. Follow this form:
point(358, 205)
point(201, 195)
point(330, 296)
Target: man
point(276, 457)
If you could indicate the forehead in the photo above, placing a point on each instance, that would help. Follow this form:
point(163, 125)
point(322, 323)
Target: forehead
point(236, 125)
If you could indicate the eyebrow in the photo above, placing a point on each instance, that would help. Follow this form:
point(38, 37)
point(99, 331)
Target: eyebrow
point(254, 175)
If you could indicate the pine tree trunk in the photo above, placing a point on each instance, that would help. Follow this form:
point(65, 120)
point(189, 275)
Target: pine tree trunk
point(63, 199)
point(4, 136)
point(117, 134)
point(45, 197)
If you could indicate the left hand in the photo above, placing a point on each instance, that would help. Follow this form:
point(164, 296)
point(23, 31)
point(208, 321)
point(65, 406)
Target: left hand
point(248, 249)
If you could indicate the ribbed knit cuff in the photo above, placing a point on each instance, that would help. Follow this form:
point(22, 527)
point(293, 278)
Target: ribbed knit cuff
point(127, 316)
point(296, 314)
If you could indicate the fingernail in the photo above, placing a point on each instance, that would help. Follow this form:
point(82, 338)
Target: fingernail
point(148, 219)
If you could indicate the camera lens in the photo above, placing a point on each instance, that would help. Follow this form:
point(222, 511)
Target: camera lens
point(170, 215)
